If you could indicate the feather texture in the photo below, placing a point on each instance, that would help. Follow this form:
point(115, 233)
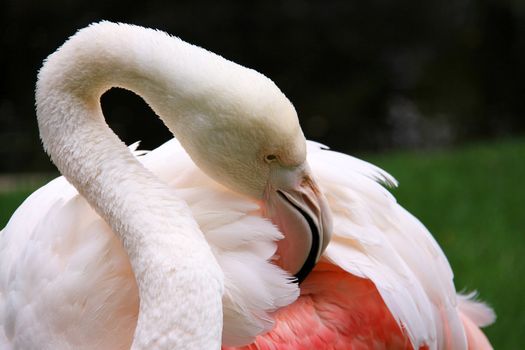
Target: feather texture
point(380, 252)
point(383, 282)
point(66, 282)
point(377, 239)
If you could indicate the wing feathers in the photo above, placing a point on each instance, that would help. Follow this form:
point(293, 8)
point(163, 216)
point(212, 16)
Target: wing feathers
point(377, 239)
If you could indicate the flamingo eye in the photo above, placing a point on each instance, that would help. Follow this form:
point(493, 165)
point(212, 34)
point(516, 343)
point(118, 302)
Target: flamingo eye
point(270, 158)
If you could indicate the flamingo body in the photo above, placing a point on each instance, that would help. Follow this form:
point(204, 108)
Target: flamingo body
point(340, 307)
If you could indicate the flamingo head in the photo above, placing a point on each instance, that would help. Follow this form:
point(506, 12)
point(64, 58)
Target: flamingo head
point(255, 146)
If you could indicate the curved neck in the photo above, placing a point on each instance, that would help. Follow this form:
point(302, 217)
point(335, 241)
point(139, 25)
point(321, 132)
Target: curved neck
point(179, 281)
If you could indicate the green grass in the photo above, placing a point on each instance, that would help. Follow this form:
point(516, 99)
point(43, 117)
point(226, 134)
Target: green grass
point(473, 200)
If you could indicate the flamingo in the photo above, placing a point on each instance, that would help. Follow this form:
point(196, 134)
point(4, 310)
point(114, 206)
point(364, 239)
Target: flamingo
point(73, 274)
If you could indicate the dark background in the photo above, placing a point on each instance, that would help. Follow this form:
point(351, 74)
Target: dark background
point(363, 75)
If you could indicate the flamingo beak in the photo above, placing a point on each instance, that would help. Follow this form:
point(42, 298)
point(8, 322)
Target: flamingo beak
point(296, 205)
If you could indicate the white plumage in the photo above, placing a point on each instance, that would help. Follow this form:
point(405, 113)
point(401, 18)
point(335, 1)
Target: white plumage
point(75, 272)
point(376, 238)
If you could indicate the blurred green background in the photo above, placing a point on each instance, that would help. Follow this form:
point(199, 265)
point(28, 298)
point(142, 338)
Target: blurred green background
point(431, 91)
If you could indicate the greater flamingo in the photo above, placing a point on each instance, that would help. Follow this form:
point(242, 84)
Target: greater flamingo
point(71, 278)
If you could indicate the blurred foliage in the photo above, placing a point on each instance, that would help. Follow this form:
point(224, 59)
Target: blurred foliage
point(363, 75)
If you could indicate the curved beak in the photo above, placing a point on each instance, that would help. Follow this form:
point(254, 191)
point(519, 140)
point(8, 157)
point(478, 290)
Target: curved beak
point(295, 204)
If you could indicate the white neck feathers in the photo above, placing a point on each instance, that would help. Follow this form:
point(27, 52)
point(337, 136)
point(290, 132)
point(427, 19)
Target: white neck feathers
point(180, 283)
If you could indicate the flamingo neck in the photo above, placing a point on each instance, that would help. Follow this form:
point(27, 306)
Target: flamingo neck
point(180, 284)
